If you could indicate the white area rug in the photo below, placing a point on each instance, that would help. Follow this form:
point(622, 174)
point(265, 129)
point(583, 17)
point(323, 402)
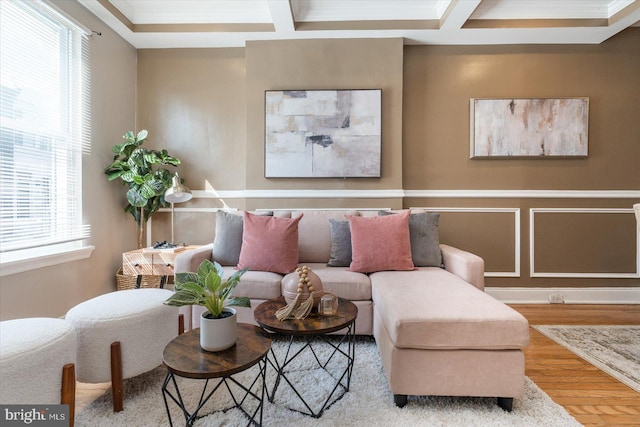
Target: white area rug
point(613, 349)
point(369, 402)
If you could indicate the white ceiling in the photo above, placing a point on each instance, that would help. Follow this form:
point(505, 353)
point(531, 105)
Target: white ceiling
point(230, 23)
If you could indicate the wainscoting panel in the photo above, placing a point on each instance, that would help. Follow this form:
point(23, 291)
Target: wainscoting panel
point(492, 233)
point(558, 249)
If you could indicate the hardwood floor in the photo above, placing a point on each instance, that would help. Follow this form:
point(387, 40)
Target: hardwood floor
point(591, 396)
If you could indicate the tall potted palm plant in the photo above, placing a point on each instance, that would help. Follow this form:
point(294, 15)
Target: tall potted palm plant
point(139, 169)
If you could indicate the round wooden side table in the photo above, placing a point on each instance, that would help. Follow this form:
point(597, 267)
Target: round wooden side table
point(311, 330)
point(185, 358)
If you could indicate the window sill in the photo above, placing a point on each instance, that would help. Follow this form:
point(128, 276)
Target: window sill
point(21, 261)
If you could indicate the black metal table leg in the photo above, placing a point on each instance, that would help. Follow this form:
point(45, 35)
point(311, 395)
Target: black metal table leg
point(343, 378)
point(206, 395)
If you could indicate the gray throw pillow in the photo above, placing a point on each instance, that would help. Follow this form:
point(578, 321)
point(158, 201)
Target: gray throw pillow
point(228, 239)
point(227, 242)
point(340, 243)
point(424, 234)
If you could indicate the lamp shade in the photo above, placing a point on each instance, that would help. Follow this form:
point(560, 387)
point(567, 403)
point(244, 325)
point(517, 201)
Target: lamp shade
point(178, 193)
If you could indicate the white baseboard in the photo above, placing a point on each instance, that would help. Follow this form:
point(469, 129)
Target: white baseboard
point(565, 295)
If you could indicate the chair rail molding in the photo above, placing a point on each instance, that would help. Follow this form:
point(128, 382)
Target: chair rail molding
point(397, 193)
point(526, 194)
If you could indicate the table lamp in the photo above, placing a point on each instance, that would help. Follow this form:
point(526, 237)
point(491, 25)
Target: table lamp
point(177, 193)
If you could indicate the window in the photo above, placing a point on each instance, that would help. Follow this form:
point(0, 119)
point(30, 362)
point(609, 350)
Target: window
point(43, 130)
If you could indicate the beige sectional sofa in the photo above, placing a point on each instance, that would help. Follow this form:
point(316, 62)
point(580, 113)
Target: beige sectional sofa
point(438, 332)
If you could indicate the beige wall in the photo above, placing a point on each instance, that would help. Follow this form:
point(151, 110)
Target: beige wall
point(53, 290)
point(192, 101)
point(440, 80)
point(206, 106)
point(325, 64)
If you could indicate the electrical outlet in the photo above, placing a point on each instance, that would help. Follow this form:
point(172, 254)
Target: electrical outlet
point(556, 299)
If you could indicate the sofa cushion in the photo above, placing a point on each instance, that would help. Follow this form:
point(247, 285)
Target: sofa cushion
point(269, 243)
point(314, 233)
point(340, 255)
point(451, 313)
point(256, 284)
point(343, 283)
point(380, 243)
point(425, 238)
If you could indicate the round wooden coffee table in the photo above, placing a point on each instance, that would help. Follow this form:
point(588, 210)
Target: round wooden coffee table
point(311, 331)
point(184, 357)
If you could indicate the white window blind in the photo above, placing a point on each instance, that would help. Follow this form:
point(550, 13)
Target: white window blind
point(44, 126)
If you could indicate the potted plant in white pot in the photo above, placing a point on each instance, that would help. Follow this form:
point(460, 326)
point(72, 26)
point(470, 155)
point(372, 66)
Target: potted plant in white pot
point(218, 325)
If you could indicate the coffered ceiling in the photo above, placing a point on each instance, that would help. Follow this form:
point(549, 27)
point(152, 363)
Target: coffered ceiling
point(230, 23)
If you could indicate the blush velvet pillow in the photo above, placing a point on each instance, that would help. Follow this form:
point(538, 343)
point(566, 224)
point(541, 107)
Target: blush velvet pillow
point(380, 243)
point(269, 244)
point(425, 238)
point(228, 239)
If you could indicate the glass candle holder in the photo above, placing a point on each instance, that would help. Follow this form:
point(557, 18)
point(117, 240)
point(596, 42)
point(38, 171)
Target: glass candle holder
point(328, 305)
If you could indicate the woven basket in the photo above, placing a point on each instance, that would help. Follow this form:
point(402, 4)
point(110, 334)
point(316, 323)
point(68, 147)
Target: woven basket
point(125, 282)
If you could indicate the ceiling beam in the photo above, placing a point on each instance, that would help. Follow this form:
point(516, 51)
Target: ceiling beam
point(622, 19)
point(282, 16)
point(457, 14)
point(451, 29)
point(625, 12)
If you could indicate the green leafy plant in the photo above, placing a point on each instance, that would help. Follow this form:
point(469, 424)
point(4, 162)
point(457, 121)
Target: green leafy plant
point(206, 288)
point(138, 168)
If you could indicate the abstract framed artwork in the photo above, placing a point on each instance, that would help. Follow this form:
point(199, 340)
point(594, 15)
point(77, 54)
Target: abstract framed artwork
point(323, 133)
point(529, 127)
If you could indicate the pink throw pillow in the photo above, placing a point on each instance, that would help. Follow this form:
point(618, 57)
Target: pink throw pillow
point(380, 243)
point(269, 244)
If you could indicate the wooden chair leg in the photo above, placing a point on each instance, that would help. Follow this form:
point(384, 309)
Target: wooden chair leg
point(68, 390)
point(181, 324)
point(116, 376)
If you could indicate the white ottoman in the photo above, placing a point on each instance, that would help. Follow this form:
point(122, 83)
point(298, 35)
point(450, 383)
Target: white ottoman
point(37, 357)
point(122, 334)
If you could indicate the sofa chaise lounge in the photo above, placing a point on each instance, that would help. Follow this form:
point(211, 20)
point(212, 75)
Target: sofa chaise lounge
point(437, 331)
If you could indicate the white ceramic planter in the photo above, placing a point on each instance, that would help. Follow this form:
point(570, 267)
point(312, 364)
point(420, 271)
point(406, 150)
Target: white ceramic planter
point(218, 334)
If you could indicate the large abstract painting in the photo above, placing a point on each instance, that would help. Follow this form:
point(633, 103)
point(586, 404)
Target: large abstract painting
point(322, 133)
point(529, 127)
